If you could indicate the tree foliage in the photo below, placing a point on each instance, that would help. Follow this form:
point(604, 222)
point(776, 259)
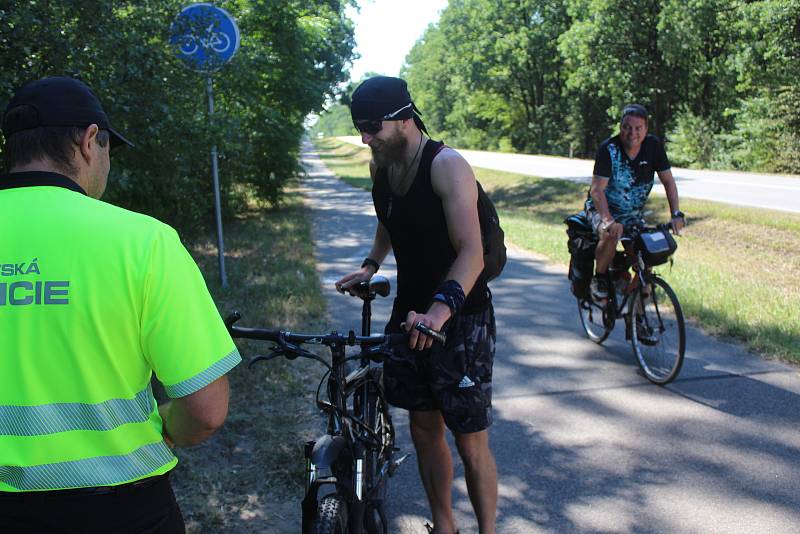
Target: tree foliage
point(721, 78)
point(292, 55)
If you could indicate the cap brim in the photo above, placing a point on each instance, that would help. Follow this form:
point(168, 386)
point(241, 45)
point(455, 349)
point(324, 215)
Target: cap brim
point(117, 139)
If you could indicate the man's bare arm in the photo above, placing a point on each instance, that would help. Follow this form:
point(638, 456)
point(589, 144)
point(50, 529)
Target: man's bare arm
point(671, 190)
point(598, 192)
point(192, 419)
point(381, 246)
point(453, 181)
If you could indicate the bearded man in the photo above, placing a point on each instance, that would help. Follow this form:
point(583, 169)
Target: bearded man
point(425, 197)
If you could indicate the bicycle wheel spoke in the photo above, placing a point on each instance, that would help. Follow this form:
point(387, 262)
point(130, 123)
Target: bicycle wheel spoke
point(658, 333)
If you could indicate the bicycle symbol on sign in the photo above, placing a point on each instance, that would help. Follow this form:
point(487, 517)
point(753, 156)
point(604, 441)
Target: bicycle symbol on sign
point(219, 42)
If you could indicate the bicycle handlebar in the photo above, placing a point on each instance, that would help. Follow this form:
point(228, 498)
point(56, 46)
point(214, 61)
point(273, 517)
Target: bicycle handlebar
point(375, 346)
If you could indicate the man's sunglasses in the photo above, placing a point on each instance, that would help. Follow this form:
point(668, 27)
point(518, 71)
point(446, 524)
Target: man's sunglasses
point(372, 127)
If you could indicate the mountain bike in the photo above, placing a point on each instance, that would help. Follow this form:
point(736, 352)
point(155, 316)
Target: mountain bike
point(346, 468)
point(653, 317)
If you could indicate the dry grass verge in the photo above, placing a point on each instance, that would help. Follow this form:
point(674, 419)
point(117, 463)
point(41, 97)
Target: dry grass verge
point(248, 477)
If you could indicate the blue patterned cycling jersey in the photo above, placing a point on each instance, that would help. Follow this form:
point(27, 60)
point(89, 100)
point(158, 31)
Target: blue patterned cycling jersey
point(629, 181)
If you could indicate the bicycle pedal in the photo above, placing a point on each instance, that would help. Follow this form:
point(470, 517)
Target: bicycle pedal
point(396, 463)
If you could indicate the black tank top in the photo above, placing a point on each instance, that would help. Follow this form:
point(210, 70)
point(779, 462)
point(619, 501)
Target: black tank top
point(421, 244)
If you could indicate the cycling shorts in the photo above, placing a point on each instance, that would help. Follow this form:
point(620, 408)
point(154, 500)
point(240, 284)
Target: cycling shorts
point(455, 379)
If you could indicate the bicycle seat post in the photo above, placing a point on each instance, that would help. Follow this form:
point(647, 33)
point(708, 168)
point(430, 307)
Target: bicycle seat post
point(366, 314)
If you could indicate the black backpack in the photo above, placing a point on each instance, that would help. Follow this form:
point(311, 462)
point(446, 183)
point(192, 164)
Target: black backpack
point(492, 235)
point(494, 248)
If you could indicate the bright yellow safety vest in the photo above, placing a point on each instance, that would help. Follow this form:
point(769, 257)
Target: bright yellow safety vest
point(93, 299)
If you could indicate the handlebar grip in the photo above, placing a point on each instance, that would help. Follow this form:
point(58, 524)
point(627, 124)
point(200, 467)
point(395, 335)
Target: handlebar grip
point(428, 331)
point(254, 333)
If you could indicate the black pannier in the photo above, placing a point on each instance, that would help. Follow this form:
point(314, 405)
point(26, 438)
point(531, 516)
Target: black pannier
point(581, 243)
point(656, 246)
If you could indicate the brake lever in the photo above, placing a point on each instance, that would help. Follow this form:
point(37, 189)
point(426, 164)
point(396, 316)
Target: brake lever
point(272, 355)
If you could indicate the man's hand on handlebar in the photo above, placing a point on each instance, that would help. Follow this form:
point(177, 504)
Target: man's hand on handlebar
point(677, 224)
point(416, 338)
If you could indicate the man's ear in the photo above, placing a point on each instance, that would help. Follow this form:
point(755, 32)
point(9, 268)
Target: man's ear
point(89, 136)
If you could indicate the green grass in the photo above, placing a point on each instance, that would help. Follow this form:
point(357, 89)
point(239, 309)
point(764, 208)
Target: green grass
point(735, 272)
point(248, 476)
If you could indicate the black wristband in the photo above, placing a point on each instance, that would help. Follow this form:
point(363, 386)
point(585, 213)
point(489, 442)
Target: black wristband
point(678, 214)
point(370, 261)
point(451, 293)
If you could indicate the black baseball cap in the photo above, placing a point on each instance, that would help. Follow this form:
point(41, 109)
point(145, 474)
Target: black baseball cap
point(59, 101)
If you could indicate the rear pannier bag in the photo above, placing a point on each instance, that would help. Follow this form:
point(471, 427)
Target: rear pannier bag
point(581, 243)
point(656, 246)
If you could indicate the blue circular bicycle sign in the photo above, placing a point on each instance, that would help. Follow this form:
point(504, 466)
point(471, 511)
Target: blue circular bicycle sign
point(205, 36)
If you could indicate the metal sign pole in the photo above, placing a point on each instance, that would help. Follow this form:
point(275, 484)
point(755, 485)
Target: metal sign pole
point(205, 38)
point(215, 173)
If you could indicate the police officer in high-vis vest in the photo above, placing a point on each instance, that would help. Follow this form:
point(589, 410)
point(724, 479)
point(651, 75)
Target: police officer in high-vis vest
point(94, 299)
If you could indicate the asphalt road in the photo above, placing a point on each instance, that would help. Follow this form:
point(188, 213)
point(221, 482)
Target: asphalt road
point(773, 191)
point(583, 442)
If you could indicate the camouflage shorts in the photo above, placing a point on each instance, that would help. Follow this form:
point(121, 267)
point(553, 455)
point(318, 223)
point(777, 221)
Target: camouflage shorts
point(455, 379)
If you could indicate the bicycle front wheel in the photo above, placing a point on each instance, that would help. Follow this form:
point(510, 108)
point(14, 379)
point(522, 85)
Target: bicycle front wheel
point(331, 515)
point(658, 333)
point(594, 321)
point(378, 456)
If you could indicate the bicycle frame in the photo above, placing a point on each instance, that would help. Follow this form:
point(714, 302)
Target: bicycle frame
point(631, 260)
point(337, 459)
point(344, 445)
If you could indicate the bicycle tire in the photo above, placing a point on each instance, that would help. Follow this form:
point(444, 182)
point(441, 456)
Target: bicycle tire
point(331, 515)
point(371, 406)
point(593, 320)
point(658, 332)
point(380, 421)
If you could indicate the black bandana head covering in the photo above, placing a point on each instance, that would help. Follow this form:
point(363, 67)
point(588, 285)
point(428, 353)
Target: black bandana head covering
point(378, 97)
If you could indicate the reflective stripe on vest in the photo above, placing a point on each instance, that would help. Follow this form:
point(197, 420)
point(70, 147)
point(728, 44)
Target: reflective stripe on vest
point(206, 377)
point(63, 417)
point(98, 471)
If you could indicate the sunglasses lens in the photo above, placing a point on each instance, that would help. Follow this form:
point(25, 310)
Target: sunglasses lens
point(369, 127)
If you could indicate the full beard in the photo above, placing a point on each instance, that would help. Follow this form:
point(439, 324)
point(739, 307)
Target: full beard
point(390, 151)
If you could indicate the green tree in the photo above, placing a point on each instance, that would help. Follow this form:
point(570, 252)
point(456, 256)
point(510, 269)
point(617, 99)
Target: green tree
point(292, 55)
point(614, 57)
point(491, 73)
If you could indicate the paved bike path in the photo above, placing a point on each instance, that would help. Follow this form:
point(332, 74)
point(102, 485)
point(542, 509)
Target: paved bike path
point(583, 443)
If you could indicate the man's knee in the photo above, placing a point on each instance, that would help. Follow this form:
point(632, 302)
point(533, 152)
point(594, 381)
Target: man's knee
point(473, 448)
point(606, 239)
point(426, 426)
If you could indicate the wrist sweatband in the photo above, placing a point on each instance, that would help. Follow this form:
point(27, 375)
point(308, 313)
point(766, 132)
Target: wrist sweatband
point(451, 293)
point(370, 261)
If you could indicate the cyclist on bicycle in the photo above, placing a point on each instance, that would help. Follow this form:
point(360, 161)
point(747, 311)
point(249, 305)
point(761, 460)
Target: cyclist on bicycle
point(425, 196)
point(621, 182)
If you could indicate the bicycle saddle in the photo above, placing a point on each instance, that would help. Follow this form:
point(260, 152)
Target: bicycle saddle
point(378, 285)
